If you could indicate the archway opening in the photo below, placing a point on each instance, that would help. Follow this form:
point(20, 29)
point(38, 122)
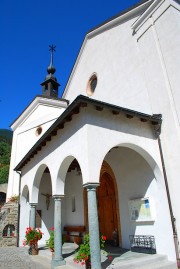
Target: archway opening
point(9, 230)
point(72, 204)
point(107, 211)
point(2, 198)
point(45, 207)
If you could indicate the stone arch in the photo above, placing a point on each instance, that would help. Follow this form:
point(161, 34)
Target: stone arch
point(143, 153)
point(9, 230)
point(150, 160)
point(73, 192)
point(139, 177)
point(60, 183)
point(2, 198)
point(36, 182)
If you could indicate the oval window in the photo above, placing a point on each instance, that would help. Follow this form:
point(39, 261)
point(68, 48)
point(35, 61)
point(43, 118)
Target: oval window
point(92, 83)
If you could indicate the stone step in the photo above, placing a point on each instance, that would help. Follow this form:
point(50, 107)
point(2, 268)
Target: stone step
point(147, 262)
point(160, 265)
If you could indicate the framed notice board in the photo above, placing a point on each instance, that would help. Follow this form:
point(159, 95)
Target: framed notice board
point(140, 210)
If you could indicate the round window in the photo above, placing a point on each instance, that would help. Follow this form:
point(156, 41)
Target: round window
point(38, 131)
point(92, 83)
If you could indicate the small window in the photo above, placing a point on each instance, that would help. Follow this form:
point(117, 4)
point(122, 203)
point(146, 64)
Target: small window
point(92, 83)
point(9, 230)
point(39, 130)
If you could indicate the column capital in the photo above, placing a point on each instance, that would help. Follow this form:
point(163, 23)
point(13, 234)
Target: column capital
point(33, 204)
point(91, 185)
point(58, 197)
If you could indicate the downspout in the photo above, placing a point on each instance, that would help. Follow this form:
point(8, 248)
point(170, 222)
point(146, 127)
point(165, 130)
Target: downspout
point(173, 220)
point(18, 208)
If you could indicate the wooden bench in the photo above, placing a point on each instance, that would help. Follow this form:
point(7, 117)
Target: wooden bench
point(74, 233)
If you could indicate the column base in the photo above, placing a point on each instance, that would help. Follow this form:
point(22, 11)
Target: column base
point(56, 263)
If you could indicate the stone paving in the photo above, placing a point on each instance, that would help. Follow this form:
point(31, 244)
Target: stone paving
point(18, 258)
point(13, 257)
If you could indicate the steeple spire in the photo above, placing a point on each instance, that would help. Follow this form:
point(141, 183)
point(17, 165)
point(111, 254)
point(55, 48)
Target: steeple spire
point(51, 69)
point(50, 84)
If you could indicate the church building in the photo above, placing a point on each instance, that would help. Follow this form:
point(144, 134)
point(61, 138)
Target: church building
point(106, 155)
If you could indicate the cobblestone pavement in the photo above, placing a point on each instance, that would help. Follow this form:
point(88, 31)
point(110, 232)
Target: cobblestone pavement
point(18, 258)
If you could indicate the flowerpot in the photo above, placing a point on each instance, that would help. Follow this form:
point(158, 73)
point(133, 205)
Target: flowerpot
point(52, 252)
point(33, 250)
point(88, 264)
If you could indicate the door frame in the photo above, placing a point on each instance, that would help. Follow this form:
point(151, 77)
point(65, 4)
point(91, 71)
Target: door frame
point(105, 168)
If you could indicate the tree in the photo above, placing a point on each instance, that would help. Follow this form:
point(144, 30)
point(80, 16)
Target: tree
point(5, 153)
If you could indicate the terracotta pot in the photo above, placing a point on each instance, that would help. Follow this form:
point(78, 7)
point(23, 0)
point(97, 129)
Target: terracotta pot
point(52, 252)
point(33, 250)
point(88, 264)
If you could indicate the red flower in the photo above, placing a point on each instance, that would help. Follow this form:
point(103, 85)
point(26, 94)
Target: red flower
point(110, 258)
point(104, 237)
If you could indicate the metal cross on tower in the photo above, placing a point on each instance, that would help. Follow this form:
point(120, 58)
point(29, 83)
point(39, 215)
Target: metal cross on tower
point(52, 48)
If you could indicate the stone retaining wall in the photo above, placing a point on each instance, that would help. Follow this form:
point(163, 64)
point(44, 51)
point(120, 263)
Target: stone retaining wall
point(8, 218)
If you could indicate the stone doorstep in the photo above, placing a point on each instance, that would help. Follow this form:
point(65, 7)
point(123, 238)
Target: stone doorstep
point(154, 261)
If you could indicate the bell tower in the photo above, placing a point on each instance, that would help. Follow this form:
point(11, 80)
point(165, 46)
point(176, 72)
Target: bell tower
point(50, 84)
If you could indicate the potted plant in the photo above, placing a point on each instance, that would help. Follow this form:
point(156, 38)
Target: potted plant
point(31, 238)
point(50, 241)
point(83, 255)
point(14, 199)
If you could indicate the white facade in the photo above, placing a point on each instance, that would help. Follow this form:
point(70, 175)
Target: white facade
point(136, 58)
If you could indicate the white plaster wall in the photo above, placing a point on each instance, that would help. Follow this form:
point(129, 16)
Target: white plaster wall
point(24, 137)
point(168, 32)
point(24, 219)
point(159, 43)
point(136, 179)
point(46, 215)
point(114, 56)
point(73, 188)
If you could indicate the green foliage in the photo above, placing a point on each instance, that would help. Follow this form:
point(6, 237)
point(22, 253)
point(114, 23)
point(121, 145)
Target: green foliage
point(4, 173)
point(32, 236)
point(83, 254)
point(50, 241)
point(5, 153)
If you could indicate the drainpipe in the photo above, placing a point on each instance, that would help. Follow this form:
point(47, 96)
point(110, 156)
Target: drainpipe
point(18, 208)
point(173, 220)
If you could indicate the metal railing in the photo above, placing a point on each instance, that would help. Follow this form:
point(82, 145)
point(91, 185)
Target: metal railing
point(143, 243)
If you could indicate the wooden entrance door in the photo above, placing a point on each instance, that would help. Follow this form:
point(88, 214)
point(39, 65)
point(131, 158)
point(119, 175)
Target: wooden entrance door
point(107, 206)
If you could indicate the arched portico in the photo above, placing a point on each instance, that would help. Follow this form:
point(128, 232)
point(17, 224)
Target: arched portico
point(138, 177)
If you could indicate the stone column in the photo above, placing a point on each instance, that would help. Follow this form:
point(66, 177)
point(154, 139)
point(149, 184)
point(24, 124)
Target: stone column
point(93, 225)
point(58, 258)
point(32, 220)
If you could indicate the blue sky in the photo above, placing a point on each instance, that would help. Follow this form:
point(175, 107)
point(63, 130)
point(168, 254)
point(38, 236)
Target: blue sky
point(28, 27)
